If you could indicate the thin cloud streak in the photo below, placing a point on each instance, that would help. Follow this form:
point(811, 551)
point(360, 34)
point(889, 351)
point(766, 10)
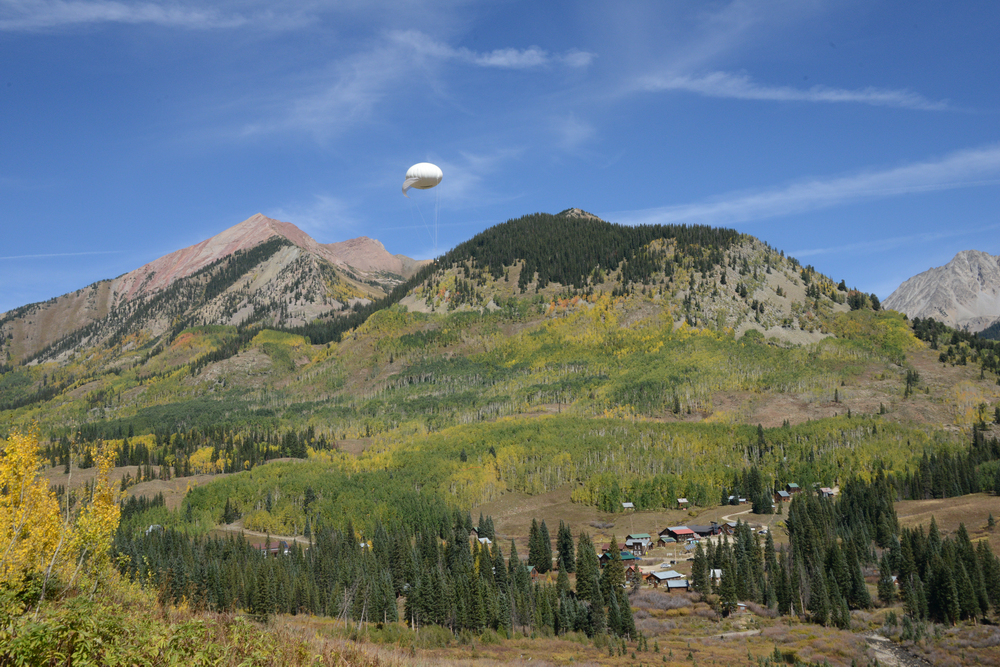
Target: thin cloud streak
point(890, 243)
point(968, 168)
point(28, 16)
point(64, 254)
point(742, 87)
point(352, 88)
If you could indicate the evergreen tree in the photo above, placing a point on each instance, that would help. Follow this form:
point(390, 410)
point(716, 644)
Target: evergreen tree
point(587, 567)
point(699, 572)
point(564, 545)
point(545, 555)
point(819, 598)
point(727, 590)
point(886, 587)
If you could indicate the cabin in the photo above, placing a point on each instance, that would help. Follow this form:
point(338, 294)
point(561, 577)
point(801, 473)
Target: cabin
point(782, 497)
point(654, 579)
point(677, 585)
point(606, 547)
point(706, 531)
point(728, 528)
point(638, 543)
point(666, 539)
point(679, 533)
point(715, 575)
point(825, 492)
point(683, 503)
point(626, 556)
point(532, 572)
point(792, 488)
point(485, 541)
point(628, 507)
point(276, 549)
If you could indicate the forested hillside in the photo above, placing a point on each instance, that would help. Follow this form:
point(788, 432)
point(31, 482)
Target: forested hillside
point(675, 369)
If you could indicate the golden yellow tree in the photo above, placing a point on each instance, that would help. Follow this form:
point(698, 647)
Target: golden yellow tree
point(30, 526)
point(36, 537)
point(98, 520)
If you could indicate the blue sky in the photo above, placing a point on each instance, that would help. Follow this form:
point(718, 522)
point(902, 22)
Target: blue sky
point(861, 137)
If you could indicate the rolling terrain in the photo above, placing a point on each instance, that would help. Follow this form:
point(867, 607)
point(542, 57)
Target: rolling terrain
point(551, 368)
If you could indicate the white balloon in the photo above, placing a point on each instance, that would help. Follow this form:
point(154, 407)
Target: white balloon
point(422, 176)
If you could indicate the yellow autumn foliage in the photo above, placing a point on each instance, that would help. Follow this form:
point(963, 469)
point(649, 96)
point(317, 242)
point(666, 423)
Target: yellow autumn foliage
point(31, 528)
point(37, 536)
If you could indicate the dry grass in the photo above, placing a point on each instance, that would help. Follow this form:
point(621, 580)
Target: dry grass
point(972, 510)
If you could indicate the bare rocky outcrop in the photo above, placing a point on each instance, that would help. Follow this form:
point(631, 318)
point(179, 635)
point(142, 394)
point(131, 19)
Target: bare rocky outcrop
point(964, 293)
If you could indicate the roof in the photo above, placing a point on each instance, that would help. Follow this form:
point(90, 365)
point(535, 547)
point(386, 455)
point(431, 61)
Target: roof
point(715, 574)
point(665, 538)
point(784, 494)
point(704, 529)
point(682, 530)
point(826, 489)
point(682, 500)
point(792, 485)
point(670, 574)
point(628, 506)
point(677, 583)
point(628, 556)
point(638, 536)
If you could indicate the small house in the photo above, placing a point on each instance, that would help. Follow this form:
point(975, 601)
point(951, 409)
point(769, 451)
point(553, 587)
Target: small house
point(706, 531)
point(715, 575)
point(825, 492)
point(677, 585)
point(728, 528)
point(782, 497)
point(654, 579)
point(638, 543)
point(679, 533)
point(792, 488)
point(628, 506)
point(485, 541)
point(682, 503)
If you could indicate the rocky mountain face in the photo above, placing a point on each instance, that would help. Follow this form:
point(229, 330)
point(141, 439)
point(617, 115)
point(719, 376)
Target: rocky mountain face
point(259, 270)
point(964, 293)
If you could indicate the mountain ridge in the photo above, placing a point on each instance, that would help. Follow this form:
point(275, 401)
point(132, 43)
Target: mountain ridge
point(964, 293)
point(338, 280)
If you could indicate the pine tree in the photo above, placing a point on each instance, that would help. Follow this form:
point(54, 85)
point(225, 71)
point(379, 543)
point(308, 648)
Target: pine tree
point(535, 552)
point(613, 574)
point(727, 589)
point(625, 613)
point(545, 544)
point(562, 580)
point(564, 545)
point(699, 572)
point(819, 598)
point(586, 568)
point(886, 587)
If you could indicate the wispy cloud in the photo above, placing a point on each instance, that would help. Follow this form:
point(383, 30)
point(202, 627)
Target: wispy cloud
point(881, 245)
point(510, 58)
point(968, 168)
point(350, 89)
point(63, 254)
point(742, 87)
point(35, 15)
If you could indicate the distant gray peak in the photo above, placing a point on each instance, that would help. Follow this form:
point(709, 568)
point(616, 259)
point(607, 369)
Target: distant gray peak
point(964, 293)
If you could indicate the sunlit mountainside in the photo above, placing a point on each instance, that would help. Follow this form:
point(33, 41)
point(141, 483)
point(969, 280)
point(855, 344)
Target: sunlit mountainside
point(553, 365)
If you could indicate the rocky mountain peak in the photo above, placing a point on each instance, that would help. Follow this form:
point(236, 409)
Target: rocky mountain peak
point(964, 293)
